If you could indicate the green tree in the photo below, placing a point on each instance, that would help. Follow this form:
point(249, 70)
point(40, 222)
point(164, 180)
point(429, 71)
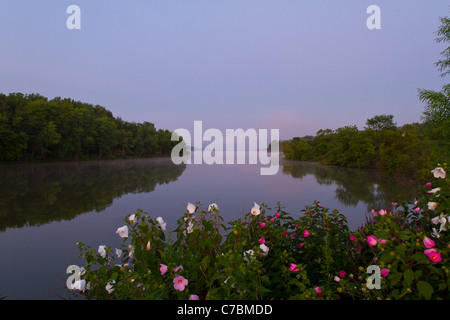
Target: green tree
point(437, 111)
point(381, 123)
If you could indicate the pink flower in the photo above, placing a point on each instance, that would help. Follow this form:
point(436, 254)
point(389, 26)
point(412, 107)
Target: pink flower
point(294, 268)
point(342, 273)
point(177, 268)
point(277, 215)
point(381, 241)
point(433, 255)
point(374, 213)
point(371, 240)
point(292, 234)
point(428, 242)
point(262, 224)
point(194, 297)
point(352, 238)
point(180, 283)
point(394, 204)
point(416, 210)
point(262, 240)
point(163, 269)
point(382, 212)
point(428, 184)
point(337, 279)
point(305, 233)
point(319, 205)
point(272, 220)
point(384, 272)
point(300, 245)
point(318, 291)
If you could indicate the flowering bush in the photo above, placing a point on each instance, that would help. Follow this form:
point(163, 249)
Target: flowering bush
point(269, 254)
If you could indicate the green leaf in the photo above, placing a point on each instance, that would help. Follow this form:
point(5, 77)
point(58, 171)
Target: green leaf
point(395, 278)
point(442, 286)
point(205, 263)
point(102, 270)
point(425, 289)
point(409, 277)
point(405, 235)
point(386, 257)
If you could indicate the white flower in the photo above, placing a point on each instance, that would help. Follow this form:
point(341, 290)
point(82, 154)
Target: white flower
point(439, 173)
point(102, 251)
point(123, 232)
point(212, 206)
point(434, 190)
point(443, 221)
point(161, 223)
point(79, 285)
point(118, 253)
point(255, 210)
point(248, 254)
point(190, 208)
point(442, 227)
point(264, 248)
point(436, 219)
point(131, 251)
point(132, 218)
point(435, 233)
point(148, 246)
point(190, 227)
point(432, 205)
point(225, 281)
point(109, 286)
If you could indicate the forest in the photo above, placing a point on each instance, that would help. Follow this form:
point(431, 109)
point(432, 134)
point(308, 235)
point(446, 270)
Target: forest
point(34, 128)
point(408, 150)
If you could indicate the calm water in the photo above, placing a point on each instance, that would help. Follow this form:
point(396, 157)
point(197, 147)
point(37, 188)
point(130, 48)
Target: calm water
point(45, 209)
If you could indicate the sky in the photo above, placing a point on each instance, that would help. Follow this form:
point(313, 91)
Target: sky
point(297, 66)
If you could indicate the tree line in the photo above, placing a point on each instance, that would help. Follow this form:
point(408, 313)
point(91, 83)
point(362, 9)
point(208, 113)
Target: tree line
point(32, 127)
point(408, 150)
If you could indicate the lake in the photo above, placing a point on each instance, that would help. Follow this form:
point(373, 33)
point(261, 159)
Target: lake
point(46, 208)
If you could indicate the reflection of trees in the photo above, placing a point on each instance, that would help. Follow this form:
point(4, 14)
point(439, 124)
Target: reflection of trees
point(34, 194)
point(375, 189)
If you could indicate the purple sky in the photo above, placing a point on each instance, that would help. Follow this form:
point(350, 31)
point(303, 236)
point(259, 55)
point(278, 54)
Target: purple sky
point(297, 66)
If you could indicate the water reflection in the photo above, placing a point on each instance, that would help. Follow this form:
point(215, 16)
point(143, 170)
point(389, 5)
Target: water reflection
point(354, 185)
point(36, 194)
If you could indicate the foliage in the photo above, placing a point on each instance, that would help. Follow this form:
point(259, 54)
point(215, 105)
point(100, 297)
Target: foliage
point(381, 123)
point(35, 128)
point(279, 256)
point(408, 150)
point(436, 115)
